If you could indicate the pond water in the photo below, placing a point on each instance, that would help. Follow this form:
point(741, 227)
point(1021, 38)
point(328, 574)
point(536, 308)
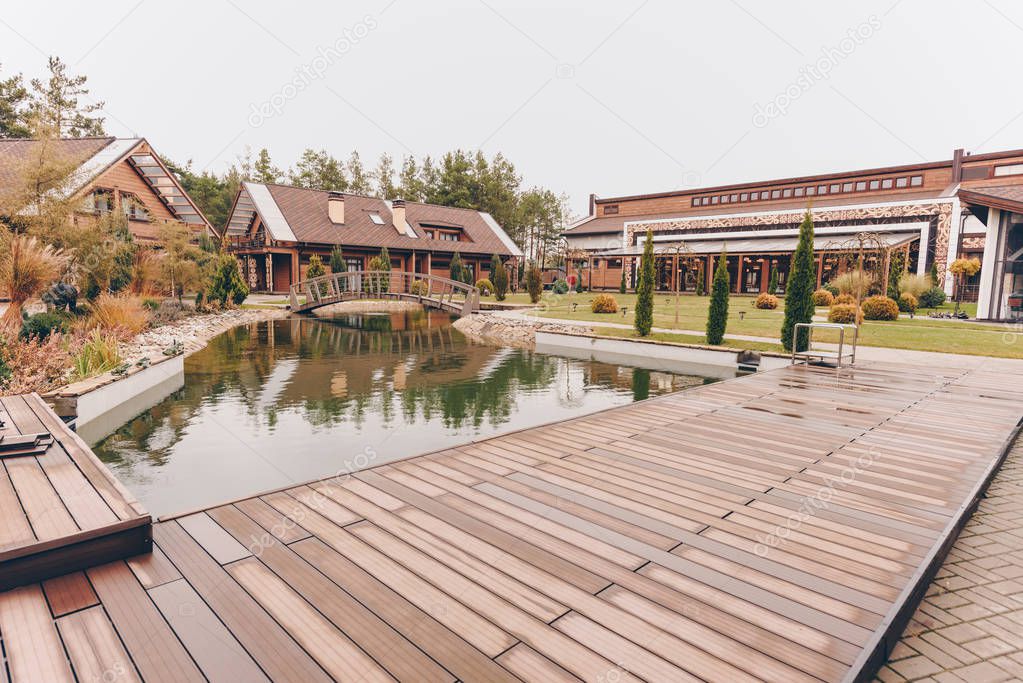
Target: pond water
point(286, 401)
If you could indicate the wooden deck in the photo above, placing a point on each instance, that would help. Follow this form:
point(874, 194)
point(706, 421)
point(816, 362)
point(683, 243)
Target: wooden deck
point(773, 527)
point(60, 508)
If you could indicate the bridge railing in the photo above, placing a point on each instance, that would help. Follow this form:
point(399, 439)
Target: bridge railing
point(376, 284)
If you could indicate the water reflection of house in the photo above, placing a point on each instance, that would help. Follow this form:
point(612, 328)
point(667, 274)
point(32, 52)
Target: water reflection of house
point(931, 212)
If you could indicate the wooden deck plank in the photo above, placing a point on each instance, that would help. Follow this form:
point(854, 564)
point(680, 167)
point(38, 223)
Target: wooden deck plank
point(215, 650)
point(153, 646)
point(263, 638)
point(33, 647)
point(69, 593)
point(95, 650)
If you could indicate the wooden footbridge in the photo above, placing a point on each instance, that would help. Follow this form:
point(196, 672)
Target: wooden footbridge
point(431, 291)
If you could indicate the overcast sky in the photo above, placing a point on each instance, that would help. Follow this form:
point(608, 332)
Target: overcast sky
point(621, 97)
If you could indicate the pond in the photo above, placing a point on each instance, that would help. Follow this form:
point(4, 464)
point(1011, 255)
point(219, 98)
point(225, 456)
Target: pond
point(286, 401)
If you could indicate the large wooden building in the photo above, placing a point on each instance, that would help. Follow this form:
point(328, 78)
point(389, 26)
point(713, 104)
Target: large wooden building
point(274, 230)
point(107, 174)
point(969, 205)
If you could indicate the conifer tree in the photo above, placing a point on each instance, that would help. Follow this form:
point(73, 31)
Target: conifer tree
point(644, 319)
point(799, 307)
point(717, 315)
point(499, 277)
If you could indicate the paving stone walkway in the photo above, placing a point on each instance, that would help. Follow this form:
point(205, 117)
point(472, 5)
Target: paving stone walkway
point(970, 625)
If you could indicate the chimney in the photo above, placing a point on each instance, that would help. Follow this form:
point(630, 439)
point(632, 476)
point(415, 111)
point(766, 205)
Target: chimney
point(957, 165)
point(398, 216)
point(336, 207)
point(593, 204)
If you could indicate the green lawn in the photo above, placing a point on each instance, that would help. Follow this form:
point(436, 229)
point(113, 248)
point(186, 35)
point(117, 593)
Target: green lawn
point(920, 333)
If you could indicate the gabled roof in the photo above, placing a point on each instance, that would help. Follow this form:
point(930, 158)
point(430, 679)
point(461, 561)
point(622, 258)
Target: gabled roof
point(90, 157)
point(295, 214)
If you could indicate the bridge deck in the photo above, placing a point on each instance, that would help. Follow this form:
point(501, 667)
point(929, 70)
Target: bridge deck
point(770, 527)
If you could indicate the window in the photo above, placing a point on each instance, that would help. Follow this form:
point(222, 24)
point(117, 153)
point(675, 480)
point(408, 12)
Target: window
point(822, 189)
point(847, 187)
point(887, 184)
point(875, 184)
point(724, 199)
point(744, 197)
point(775, 194)
point(754, 196)
point(799, 191)
point(734, 198)
point(916, 181)
point(787, 193)
point(611, 210)
point(133, 209)
point(706, 201)
point(811, 191)
point(100, 201)
point(835, 189)
point(714, 200)
point(861, 185)
point(696, 201)
point(375, 217)
point(902, 182)
point(1009, 169)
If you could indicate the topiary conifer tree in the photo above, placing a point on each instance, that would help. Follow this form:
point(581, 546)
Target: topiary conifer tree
point(644, 319)
point(799, 306)
point(717, 315)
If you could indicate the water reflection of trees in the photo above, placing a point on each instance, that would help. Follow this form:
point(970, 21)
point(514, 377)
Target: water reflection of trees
point(346, 370)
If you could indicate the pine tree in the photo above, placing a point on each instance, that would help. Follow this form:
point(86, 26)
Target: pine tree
point(717, 314)
point(14, 103)
point(644, 319)
point(384, 178)
point(56, 105)
point(799, 306)
point(499, 277)
point(263, 170)
point(772, 285)
point(410, 186)
point(358, 179)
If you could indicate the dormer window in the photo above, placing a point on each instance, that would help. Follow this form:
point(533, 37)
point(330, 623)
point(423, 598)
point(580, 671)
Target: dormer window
point(375, 217)
point(100, 201)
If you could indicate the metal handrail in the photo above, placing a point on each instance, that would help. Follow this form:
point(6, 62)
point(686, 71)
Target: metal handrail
point(809, 354)
point(332, 288)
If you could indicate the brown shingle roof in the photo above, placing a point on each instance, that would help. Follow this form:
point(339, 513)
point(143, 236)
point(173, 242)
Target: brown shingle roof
point(305, 211)
point(16, 152)
point(998, 196)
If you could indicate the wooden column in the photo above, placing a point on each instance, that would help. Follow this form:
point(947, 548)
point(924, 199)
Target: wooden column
point(429, 263)
point(765, 275)
point(739, 274)
point(820, 269)
point(710, 272)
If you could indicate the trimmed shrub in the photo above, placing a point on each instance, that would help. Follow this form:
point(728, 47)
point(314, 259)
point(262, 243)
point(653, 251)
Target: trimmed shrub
point(420, 288)
point(485, 286)
point(845, 300)
point(499, 277)
point(604, 303)
point(880, 308)
point(560, 287)
point(42, 325)
point(845, 314)
point(534, 283)
point(227, 287)
point(908, 303)
point(932, 298)
point(766, 302)
point(823, 297)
